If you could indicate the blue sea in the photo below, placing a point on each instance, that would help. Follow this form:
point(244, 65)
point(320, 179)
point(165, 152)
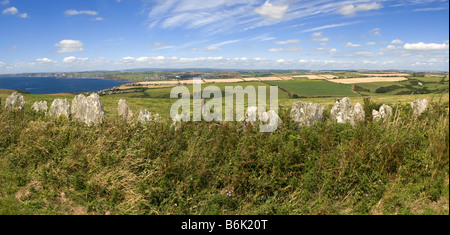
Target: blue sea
point(52, 85)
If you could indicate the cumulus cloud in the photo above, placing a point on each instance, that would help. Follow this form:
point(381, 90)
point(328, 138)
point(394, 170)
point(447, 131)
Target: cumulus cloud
point(73, 59)
point(269, 11)
point(10, 11)
point(44, 61)
point(23, 15)
point(397, 41)
point(85, 12)
point(371, 43)
point(14, 11)
point(420, 46)
point(351, 9)
point(69, 46)
point(350, 44)
point(332, 51)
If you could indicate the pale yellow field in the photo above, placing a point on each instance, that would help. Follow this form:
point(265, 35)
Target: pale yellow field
point(251, 79)
point(368, 79)
point(287, 78)
point(223, 80)
point(315, 77)
point(386, 74)
point(270, 79)
point(190, 82)
point(312, 77)
point(159, 83)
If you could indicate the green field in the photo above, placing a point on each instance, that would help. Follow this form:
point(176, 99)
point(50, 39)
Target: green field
point(314, 88)
point(430, 85)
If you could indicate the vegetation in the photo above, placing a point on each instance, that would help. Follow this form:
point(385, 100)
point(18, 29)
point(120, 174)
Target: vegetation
point(50, 166)
point(313, 88)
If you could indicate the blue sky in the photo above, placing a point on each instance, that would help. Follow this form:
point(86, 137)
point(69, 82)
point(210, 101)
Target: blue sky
point(83, 35)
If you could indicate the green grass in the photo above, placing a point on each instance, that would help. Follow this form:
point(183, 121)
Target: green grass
point(411, 86)
point(56, 166)
point(314, 88)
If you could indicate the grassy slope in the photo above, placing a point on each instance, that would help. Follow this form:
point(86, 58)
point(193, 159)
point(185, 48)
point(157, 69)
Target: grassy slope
point(59, 167)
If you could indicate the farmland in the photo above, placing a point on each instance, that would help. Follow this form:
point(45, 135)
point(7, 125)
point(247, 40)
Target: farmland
point(50, 166)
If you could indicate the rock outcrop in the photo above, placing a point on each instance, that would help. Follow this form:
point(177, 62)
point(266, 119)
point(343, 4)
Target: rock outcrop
point(59, 107)
point(419, 106)
point(124, 111)
point(384, 113)
point(343, 112)
point(145, 116)
point(40, 106)
point(15, 102)
point(270, 121)
point(306, 114)
point(88, 109)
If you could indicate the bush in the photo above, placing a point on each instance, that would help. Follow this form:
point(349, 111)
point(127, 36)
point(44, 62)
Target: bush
point(50, 166)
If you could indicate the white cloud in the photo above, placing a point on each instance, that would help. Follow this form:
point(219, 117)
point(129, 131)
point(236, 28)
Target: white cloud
point(351, 9)
point(329, 26)
point(161, 46)
point(44, 61)
point(4, 2)
point(371, 43)
point(287, 49)
point(324, 39)
point(73, 59)
point(397, 41)
point(10, 11)
point(24, 15)
point(376, 32)
point(420, 46)
point(390, 47)
point(316, 35)
point(85, 12)
point(213, 48)
point(350, 44)
point(287, 42)
point(332, 51)
point(98, 19)
point(69, 46)
point(270, 11)
point(216, 47)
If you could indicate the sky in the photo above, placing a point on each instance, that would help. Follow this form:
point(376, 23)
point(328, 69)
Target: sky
point(86, 35)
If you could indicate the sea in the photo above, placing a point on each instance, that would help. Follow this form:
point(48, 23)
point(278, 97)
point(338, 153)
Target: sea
point(52, 85)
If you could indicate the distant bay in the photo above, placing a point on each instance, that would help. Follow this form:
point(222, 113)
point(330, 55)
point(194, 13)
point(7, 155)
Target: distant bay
point(52, 85)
